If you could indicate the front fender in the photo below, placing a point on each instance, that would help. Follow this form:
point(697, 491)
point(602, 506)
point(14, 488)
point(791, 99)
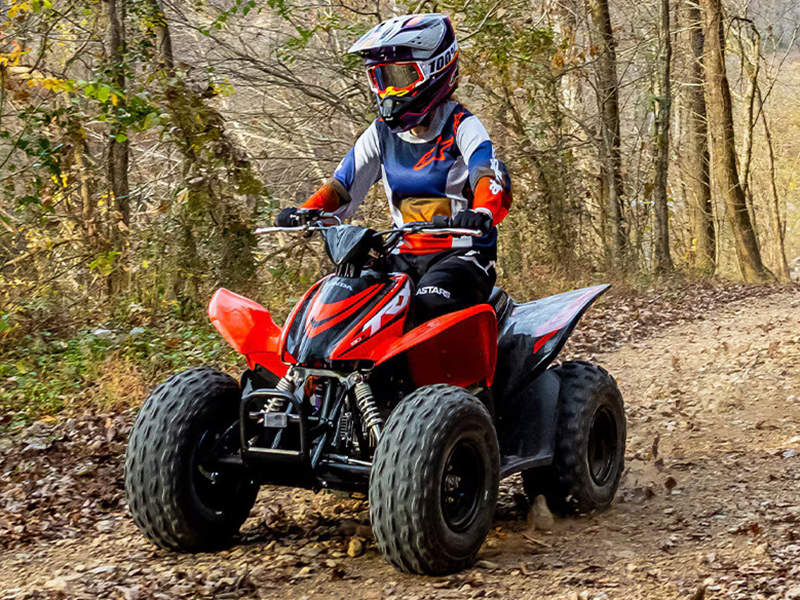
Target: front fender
point(248, 328)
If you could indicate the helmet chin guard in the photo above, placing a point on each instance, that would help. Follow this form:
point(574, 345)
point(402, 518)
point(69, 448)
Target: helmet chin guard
point(412, 66)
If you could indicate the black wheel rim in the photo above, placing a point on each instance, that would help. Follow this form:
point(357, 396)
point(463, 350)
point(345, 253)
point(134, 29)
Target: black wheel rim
point(462, 486)
point(602, 448)
point(213, 484)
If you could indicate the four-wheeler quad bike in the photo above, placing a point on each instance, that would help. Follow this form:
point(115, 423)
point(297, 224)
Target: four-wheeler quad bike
point(348, 396)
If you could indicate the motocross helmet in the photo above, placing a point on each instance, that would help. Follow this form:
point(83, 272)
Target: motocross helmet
point(412, 66)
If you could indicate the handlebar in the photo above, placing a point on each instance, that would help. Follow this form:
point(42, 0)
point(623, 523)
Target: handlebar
point(310, 220)
point(440, 225)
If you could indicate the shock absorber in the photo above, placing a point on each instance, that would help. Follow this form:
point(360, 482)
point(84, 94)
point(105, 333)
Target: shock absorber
point(369, 411)
point(286, 384)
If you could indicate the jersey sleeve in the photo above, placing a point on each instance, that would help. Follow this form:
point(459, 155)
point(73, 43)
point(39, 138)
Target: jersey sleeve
point(358, 171)
point(488, 176)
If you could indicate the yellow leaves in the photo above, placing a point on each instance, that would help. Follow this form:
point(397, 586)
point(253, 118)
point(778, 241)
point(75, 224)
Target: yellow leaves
point(19, 8)
point(114, 99)
point(62, 180)
point(35, 79)
point(11, 59)
point(222, 89)
point(16, 9)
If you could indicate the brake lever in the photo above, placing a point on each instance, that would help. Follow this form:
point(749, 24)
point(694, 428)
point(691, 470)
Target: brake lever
point(298, 229)
point(451, 231)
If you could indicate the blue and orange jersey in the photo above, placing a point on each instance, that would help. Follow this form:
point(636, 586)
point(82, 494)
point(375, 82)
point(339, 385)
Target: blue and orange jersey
point(452, 167)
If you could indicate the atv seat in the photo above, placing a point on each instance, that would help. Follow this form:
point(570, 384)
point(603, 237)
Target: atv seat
point(501, 302)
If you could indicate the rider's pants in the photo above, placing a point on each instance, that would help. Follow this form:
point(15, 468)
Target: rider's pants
point(446, 281)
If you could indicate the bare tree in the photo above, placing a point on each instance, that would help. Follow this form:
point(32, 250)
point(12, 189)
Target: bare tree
point(663, 260)
point(608, 106)
point(701, 211)
point(118, 154)
point(720, 117)
point(777, 225)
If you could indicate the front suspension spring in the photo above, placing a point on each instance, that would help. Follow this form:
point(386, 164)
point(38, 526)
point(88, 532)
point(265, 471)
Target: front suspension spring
point(369, 410)
point(286, 384)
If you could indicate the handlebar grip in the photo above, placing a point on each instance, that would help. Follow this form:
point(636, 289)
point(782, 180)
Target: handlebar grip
point(442, 222)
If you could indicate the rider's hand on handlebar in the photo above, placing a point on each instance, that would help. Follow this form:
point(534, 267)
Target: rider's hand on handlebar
point(470, 219)
point(297, 217)
point(288, 218)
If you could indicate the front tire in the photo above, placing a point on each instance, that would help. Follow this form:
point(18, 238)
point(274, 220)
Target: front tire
point(434, 481)
point(178, 499)
point(590, 443)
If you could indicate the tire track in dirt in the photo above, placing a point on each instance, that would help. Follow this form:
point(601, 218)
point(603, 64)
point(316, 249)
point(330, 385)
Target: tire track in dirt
point(710, 497)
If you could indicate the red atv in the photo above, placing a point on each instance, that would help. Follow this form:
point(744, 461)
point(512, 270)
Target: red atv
point(348, 396)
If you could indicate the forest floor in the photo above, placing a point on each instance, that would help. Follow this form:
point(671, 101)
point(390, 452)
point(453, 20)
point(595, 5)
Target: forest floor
point(709, 505)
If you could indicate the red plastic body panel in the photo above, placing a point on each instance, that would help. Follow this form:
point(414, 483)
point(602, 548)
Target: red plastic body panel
point(371, 338)
point(458, 348)
point(248, 328)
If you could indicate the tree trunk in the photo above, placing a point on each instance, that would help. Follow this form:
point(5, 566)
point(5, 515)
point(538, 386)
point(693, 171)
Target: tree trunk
point(780, 265)
point(86, 182)
point(118, 155)
point(608, 106)
point(701, 211)
point(720, 117)
point(663, 260)
point(751, 60)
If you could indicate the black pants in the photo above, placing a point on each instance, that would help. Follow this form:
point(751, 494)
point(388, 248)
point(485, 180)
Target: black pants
point(446, 281)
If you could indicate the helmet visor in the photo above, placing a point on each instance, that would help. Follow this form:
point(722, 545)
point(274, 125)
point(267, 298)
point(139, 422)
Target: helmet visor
point(394, 77)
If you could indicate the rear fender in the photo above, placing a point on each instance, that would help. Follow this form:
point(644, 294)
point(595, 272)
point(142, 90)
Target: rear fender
point(534, 333)
point(248, 328)
point(458, 348)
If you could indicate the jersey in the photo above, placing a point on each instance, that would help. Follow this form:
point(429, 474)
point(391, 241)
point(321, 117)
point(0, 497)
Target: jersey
point(433, 175)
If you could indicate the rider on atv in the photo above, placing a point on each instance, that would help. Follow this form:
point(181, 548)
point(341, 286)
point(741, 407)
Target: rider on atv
point(435, 159)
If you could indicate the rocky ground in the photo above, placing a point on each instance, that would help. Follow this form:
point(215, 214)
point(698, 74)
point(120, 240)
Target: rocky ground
point(709, 505)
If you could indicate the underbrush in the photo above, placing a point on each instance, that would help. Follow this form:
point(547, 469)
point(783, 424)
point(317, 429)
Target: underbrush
point(100, 368)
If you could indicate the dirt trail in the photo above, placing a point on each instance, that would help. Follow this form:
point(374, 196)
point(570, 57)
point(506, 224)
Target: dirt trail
point(710, 497)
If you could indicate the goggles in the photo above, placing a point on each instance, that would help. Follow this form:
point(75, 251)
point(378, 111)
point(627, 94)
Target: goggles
point(399, 78)
point(395, 78)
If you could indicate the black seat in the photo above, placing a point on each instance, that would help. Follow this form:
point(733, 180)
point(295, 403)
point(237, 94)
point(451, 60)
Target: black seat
point(501, 302)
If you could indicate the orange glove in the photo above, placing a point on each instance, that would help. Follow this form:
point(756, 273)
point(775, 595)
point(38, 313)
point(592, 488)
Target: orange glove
point(326, 199)
point(491, 196)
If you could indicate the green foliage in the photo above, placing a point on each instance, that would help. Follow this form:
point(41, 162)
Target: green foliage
point(102, 367)
point(104, 262)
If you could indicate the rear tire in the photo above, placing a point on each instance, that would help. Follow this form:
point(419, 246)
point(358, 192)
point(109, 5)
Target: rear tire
point(175, 499)
point(434, 481)
point(590, 443)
